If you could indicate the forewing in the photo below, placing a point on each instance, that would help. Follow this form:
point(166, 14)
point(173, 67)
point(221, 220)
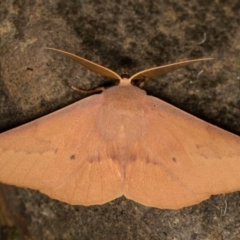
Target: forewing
point(182, 160)
point(62, 155)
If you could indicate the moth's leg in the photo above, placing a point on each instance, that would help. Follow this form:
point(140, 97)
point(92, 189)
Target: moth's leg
point(139, 82)
point(95, 90)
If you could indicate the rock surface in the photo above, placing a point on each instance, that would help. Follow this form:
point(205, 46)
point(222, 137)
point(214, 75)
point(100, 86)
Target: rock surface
point(125, 37)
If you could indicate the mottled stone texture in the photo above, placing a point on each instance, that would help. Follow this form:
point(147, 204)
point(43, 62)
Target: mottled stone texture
point(125, 36)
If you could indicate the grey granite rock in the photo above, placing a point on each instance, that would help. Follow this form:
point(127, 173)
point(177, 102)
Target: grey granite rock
point(127, 37)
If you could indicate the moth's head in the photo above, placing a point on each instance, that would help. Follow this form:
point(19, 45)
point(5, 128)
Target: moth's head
point(126, 80)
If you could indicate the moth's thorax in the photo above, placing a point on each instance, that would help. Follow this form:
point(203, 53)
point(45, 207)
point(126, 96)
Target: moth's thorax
point(122, 115)
point(124, 98)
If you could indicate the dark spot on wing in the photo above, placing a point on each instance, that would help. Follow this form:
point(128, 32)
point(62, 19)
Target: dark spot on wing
point(98, 157)
point(72, 157)
point(174, 159)
point(154, 161)
point(113, 156)
point(91, 160)
point(122, 157)
point(149, 159)
point(95, 158)
point(132, 157)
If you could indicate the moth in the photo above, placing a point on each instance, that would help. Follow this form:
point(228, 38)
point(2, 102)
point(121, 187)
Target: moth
point(122, 142)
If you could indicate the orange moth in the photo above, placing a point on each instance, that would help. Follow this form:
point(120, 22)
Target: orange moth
point(122, 142)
